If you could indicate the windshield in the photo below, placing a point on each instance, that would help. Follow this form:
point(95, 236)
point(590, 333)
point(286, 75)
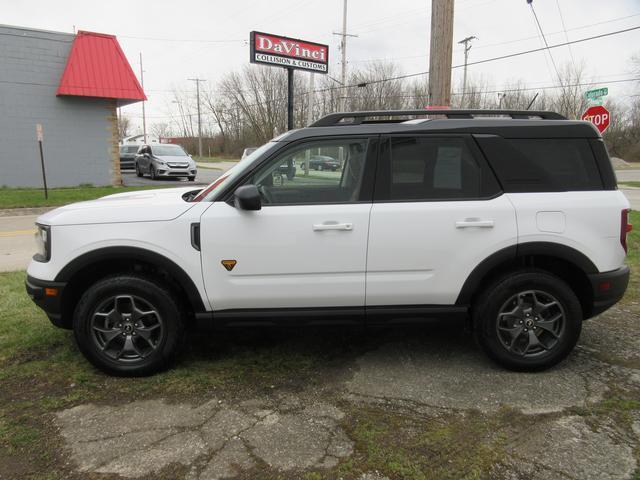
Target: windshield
point(168, 150)
point(209, 193)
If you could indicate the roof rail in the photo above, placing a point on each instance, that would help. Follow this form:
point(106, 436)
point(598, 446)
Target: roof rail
point(334, 119)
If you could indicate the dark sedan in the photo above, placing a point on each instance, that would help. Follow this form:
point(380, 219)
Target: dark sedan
point(323, 162)
point(128, 156)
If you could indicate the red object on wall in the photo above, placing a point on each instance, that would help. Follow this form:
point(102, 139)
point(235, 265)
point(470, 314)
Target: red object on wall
point(97, 67)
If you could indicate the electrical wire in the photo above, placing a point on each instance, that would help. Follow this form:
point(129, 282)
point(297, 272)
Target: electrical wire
point(535, 16)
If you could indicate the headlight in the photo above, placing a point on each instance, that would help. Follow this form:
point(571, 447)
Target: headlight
point(43, 243)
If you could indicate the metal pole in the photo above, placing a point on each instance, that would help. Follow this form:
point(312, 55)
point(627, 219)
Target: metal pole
point(289, 98)
point(312, 98)
point(440, 52)
point(44, 175)
point(144, 117)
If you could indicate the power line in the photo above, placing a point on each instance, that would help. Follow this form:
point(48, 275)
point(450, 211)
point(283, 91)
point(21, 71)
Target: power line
point(535, 16)
point(508, 42)
point(566, 36)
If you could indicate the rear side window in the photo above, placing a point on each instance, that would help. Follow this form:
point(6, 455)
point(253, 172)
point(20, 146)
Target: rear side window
point(432, 168)
point(543, 164)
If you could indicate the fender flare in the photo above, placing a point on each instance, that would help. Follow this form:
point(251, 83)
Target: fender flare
point(512, 253)
point(135, 253)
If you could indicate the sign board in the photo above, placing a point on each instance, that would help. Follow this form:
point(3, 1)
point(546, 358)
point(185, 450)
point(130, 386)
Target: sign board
point(596, 93)
point(599, 116)
point(279, 51)
point(39, 132)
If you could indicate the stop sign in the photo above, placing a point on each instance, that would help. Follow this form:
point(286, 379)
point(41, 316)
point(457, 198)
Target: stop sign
point(599, 116)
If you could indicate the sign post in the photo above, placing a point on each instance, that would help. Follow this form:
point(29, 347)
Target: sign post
point(599, 116)
point(290, 53)
point(40, 137)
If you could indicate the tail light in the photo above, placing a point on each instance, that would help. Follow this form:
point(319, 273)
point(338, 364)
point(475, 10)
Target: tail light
point(625, 227)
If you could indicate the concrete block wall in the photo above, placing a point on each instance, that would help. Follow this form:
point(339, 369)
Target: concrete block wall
point(79, 140)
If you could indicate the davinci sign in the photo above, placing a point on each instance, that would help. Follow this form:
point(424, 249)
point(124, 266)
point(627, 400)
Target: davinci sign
point(286, 52)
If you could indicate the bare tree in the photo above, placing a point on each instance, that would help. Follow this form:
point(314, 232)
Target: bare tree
point(161, 130)
point(124, 126)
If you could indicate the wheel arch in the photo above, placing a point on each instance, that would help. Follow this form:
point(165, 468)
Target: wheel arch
point(96, 264)
point(565, 262)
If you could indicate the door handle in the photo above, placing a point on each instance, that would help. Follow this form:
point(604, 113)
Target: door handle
point(474, 222)
point(332, 226)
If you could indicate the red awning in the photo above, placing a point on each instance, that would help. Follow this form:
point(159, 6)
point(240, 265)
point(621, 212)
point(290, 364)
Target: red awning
point(97, 67)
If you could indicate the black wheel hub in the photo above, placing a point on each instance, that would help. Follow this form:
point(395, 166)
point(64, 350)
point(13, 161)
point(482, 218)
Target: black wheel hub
point(127, 328)
point(530, 323)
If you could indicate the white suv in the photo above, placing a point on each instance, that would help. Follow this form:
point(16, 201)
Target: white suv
point(509, 219)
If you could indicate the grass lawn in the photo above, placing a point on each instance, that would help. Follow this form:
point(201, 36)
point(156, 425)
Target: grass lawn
point(41, 371)
point(34, 197)
point(630, 184)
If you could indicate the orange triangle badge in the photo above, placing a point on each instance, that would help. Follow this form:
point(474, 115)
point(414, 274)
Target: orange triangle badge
point(228, 264)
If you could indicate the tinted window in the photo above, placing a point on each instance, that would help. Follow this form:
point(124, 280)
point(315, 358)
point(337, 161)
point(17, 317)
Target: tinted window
point(327, 171)
point(543, 165)
point(430, 168)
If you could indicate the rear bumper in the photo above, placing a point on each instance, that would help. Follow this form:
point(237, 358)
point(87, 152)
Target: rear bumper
point(608, 288)
point(48, 296)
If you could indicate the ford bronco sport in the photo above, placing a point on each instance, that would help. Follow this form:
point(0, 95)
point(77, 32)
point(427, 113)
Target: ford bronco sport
point(511, 220)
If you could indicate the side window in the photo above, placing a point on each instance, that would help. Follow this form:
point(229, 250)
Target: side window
point(542, 164)
point(328, 171)
point(434, 168)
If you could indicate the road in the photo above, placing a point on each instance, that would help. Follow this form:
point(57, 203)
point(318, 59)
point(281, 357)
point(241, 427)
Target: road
point(16, 232)
point(17, 244)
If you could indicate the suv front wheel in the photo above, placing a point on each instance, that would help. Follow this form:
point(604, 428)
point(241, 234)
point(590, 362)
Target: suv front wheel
point(128, 325)
point(528, 320)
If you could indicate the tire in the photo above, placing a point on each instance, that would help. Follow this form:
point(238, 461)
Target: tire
point(192, 179)
point(152, 172)
point(123, 343)
point(514, 323)
point(138, 172)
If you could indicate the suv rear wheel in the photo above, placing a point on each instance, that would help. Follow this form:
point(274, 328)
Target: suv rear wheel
point(128, 325)
point(528, 320)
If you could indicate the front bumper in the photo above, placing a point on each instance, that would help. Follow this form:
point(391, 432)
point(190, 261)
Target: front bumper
point(166, 171)
point(48, 296)
point(608, 288)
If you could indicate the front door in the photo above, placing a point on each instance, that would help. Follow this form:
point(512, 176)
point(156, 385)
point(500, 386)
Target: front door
point(307, 246)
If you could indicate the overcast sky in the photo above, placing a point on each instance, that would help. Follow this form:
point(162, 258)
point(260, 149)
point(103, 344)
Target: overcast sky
point(188, 38)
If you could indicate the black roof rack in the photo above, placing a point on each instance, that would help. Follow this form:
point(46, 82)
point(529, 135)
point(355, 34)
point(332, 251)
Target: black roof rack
point(334, 119)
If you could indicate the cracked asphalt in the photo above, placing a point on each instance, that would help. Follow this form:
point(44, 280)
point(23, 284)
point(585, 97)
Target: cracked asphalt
point(563, 423)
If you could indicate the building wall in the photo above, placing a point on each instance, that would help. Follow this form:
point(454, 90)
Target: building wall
point(78, 131)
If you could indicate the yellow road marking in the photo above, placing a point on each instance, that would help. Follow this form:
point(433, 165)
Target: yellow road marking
point(18, 233)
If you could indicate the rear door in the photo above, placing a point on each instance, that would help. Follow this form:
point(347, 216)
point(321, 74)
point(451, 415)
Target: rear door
point(438, 212)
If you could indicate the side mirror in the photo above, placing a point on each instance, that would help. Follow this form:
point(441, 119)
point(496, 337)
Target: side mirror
point(247, 197)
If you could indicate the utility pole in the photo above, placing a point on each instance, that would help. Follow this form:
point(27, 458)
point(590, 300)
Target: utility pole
point(198, 80)
point(467, 46)
point(440, 52)
point(343, 49)
point(144, 117)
